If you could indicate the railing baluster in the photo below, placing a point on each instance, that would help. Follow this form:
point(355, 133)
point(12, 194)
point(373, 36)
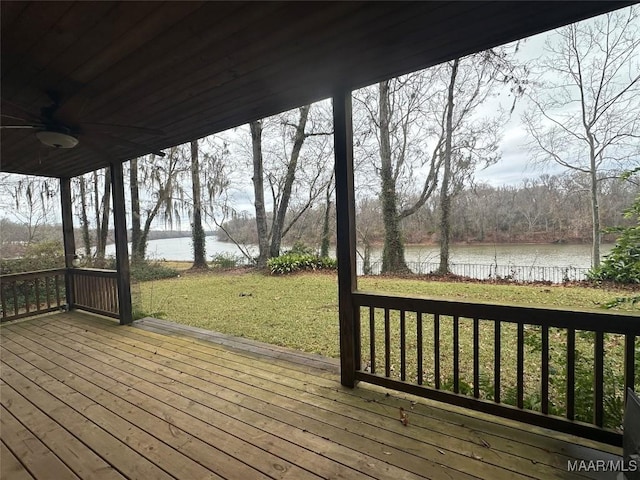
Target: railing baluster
point(571, 373)
point(629, 363)
point(372, 339)
point(456, 354)
point(92, 289)
point(419, 347)
point(3, 299)
point(544, 400)
point(25, 286)
point(57, 284)
point(387, 344)
point(46, 288)
point(520, 367)
point(476, 358)
point(403, 347)
point(496, 361)
point(37, 287)
point(100, 302)
point(436, 349)
point(100, 292)
point(598, 355)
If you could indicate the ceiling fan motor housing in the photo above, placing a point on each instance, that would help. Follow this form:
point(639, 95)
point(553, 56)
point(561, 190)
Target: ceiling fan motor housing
point(55, 139)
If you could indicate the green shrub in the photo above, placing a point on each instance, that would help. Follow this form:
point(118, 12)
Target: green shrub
point(146, 271)
point(300, 248)
point(296, 262)
point(225, 260)
point(622, 265)
point(38, 256)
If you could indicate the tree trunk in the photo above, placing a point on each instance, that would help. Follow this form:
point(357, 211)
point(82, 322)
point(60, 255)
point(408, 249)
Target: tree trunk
point(445, 196)
point(84, 218)
point(103, 231)
point(280, 215)
point(136, 233)
point(258, 190)
point(393, 252)
point(324, 245)
point(595, 206)
point(197, 232)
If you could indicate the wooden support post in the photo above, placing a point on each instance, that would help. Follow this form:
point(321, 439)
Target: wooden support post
point(122, 252)
point(346, 238)
point(68, 238)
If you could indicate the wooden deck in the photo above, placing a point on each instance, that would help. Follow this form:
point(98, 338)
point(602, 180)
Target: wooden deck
point(85, 398)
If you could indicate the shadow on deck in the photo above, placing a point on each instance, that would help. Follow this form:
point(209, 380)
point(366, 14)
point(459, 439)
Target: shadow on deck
point(86, 398)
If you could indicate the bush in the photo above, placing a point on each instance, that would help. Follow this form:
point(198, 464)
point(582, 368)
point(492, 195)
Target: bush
point(225, 260)
point(622, 265)
point(300, 248)
point(147, 271)
point(38, 256)
point(296, 262)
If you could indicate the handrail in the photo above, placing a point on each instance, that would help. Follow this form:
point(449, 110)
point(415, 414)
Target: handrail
point(8, 277)
point(94, 272)
point(605, 321)
point(32, 293)
point(398, 345)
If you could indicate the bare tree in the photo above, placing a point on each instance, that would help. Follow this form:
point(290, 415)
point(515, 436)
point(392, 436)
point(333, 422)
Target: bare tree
point(102, 209)
point(165, 191)
point(258, 190)
point(585, 111)
point(469, 140)
point(399, 118)
point(427, 128)
point(32, 201)
point(281, 172)
point(85, 228)
point(197, 232)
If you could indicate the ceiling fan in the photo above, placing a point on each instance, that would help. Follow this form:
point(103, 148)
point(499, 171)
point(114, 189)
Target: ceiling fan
point(52, 132)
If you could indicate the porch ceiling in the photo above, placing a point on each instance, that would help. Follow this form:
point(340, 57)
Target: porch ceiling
point(195, 68)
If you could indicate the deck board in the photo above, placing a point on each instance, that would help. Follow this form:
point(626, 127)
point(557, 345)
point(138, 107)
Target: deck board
point(101, 400)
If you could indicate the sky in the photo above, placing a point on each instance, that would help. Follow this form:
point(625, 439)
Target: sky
point(514, 164)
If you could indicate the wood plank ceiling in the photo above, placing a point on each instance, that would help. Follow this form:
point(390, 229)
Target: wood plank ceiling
point(192, 69)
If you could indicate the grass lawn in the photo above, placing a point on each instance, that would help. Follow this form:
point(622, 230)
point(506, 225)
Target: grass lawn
point(301, 312)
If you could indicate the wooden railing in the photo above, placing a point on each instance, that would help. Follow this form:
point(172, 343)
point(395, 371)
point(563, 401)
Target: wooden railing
point(32, 293)
point(95, 290)
point(563, 370)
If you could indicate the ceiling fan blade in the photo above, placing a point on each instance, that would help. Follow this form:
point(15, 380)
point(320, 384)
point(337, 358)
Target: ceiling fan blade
point(17, 112)
point(112, 128)
point(13, 117)
point(19, 127)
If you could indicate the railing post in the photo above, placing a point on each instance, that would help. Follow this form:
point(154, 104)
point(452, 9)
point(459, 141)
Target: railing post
point(122, 252)
point(68, 238)
point(346, 237)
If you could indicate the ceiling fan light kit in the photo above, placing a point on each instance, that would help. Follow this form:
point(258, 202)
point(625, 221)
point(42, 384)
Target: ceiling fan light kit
point(56, 139)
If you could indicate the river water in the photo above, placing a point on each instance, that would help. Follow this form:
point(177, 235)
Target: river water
point(524, 261)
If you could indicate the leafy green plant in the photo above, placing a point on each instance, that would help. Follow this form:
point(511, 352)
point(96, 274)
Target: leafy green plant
point(300, 248)
point(38, 256)
point(225, 260)
point(146, 271)
point(622, 265)
point(296, 262)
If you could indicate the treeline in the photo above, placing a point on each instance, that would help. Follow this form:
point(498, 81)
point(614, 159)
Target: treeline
point(15, 237)
point(548, 209)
